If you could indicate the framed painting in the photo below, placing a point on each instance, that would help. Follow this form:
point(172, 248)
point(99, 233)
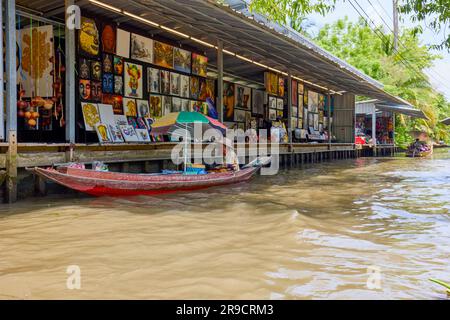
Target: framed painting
point(85, 89)
point(108, 63)
point(294, 93)
point(143, 108)
point(182, 60)
point(118, 85)
point(90, 115)
point(108, 83)
point(96, 70)
point(133, 80)
point(203, 94)
point(88, 38)
point(115, 100)
point(165, 81)
point(155, 106)
point(211, 89)
point(109, 38)
point(272, 114)
point(141, 48)
point(128, 133)
point(195, 88)
point(280, 114)
point(84, 67)
point(294, 112)
point(228, 101)
point(143, 135)
point(243, 97)
point(166, 105)
point(184, 86)
point(106, 113)
point(305, 118)
point(301, 88)
point(281, 86)
point(118, 65)
point(258, 102)
point(316, 121)
point(175, 84)
point(280, 104)
point(123, 43)
point(199, 65)
point(163, 55)
point(271, 82)
point(103, 133)
point(176, 104)
point(272, 102)
point(96, 91)
point(153, 80)
point(239, 115)
point(130, 107)
point(185, 104)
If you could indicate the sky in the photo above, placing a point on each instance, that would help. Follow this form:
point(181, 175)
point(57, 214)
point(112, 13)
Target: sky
point(439, 74)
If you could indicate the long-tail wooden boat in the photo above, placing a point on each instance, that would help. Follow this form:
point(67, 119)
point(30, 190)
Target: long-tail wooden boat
point(99, 183)
point(419, 154)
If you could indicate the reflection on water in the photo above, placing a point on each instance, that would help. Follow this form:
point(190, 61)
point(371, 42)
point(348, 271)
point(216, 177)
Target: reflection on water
point(302, 234)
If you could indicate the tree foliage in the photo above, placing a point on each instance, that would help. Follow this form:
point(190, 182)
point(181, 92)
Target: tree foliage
point(434, 13)
point(401, 72)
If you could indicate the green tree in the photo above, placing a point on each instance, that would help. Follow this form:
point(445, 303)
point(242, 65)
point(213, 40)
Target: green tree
point(401, 72)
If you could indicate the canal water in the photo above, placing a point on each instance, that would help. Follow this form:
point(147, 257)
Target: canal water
point(352, 229)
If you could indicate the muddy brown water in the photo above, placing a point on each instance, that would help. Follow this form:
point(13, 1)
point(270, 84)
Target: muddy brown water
point(352, 229)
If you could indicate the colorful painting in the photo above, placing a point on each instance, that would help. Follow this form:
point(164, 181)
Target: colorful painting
point(118, 65)
point(37, 54)
point(271, 83)
point(166, 105)
point(258, 102)
point(165, 82)
point(108, 83)
point(115, 100)
point(182, 60)
point(143, 108)
point(84, 68)
point(195, 88)
point(211, 89)
point(163, 55)
point(313, 101)
point(106, 113)
point(109, 38)
point(203, 94)
point(133, 80)
point(96, 70)
point(128, 133)
point(123, 43)
point(85, 89)
point(103, 133)
point(90, 115)
point(108, 63)
point(281, 88)
point(272, 102)
point(185, 104)
point(184, 86)
point(96, 91)
point(88, 38)
point(141, 48)
point(195, 106)
point(300, 101)
point(175, 84)
point(301, 88)
point(120, 120)
point(228, 101)
point(199, 64)
point(153, 80)
point(243, 95)
point(118, 85)
point(155, 106)
point(143, 135)
point(130, 107)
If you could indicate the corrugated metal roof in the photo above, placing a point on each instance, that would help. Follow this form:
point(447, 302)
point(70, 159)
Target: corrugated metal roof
point(243, 32)
point(386, 106)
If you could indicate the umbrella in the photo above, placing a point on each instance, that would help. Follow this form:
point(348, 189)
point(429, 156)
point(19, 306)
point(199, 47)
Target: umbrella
point(186, 121)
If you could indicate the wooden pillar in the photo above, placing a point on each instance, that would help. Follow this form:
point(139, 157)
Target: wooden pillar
point(11, 101)
point(70, 78)
point(220, 80)
point(329, 119)
point(374, 131)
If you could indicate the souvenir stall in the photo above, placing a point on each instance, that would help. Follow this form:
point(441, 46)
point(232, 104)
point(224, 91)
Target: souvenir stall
point(40, 78)
point(383, 126)
point(127, 80)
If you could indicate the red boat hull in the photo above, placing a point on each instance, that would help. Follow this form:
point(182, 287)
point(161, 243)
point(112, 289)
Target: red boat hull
point(124, 184)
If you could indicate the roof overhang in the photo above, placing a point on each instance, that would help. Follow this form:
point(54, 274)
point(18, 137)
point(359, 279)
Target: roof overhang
point(405, 109)
point(251, 42)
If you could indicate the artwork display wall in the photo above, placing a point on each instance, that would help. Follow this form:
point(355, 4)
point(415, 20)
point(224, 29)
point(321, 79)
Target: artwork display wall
point(136, 77)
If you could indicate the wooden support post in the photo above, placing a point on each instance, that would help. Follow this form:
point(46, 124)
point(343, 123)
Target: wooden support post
point(11, 168)
point(290, 108)
point(70, 77)
point(2, 122)
point(220, 80)
point(40, 187)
